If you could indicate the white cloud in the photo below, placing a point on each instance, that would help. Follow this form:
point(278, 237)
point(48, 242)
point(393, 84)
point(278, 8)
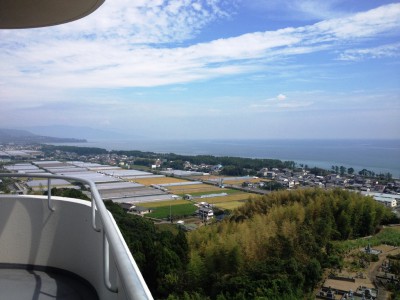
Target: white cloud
point(280, 103)
point(105, 50)
point(360, 25)
point(281, 97)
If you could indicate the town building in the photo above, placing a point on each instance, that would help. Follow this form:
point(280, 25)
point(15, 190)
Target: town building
point(388, 200)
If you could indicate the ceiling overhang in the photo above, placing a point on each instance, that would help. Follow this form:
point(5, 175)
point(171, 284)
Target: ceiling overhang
point(16, 14)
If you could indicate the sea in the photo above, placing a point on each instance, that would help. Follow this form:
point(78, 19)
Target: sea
point(379, 156)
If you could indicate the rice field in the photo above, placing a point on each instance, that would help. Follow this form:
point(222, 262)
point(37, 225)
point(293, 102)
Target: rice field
point(231, 201)
point(181, 207)
point(229, 205)
point(163, 203)
point(176, 211)
point(194, 188)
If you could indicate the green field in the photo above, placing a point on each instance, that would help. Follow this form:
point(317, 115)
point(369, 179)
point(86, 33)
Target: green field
point(388, 236)
point(163, 203)
point(176, 211)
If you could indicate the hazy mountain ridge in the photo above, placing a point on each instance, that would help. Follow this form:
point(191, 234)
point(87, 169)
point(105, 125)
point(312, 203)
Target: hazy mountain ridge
point(24, 136)
point(80, 132)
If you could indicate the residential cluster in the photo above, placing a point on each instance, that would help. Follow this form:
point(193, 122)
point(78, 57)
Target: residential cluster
point(301, 177)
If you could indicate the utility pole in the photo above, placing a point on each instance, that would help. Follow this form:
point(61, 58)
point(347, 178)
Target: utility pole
point(170, 214)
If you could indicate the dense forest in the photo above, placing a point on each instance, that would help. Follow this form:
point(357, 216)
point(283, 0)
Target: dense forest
point(48, 149)
point(273, 247)
point(160, 255)
point(235, 166)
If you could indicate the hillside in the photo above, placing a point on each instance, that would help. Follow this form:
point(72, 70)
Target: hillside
point(26, 137)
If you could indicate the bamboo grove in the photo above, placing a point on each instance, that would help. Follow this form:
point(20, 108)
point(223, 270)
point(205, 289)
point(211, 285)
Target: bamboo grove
point(273, 247)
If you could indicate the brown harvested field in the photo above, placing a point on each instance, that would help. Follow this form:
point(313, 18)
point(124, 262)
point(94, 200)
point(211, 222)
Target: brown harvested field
point(194, 188)
point(158, 180)
point(239, 182)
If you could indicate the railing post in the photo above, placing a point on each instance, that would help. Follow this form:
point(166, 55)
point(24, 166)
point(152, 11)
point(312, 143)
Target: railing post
point(94, 215)
point(49, 194)
point(106, 264)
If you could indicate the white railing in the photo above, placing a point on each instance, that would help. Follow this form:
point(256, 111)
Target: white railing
point(134, 286)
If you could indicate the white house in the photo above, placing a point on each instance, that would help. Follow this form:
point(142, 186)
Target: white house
point(205, 213)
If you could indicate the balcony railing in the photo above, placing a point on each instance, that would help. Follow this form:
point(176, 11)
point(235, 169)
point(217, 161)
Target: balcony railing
point(130, 278)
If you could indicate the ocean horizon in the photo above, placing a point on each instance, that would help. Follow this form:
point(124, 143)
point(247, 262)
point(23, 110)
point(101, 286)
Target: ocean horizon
point(379, 156)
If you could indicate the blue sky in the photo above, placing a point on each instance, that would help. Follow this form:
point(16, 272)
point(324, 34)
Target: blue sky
point(211, 69)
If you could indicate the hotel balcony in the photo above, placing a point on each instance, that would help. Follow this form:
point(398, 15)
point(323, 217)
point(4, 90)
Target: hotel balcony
point(63, 248)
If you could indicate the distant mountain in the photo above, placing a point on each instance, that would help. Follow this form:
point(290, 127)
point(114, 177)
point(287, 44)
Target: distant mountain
point(24, 137)
point(76, 132)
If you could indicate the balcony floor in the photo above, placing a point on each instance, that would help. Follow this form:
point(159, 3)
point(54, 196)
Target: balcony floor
point(18, 283)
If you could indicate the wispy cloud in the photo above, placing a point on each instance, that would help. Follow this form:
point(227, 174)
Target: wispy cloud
point(299, 9)
point(134, 22)
point(279, 103)
point(391, 50)
point(280, 106)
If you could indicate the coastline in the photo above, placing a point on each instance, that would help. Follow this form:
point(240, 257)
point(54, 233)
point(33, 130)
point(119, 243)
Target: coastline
point(379, 156)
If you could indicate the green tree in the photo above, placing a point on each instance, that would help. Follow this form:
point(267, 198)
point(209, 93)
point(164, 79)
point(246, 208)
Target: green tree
point(312, 274)
point(233, 170)
point(69, 193)
point(273, 186)
point(342, 170)
point(196, 272)
point(160, 255)
point(344, 225)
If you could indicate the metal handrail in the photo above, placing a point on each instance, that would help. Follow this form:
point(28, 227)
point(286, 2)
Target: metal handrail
point(132, 280)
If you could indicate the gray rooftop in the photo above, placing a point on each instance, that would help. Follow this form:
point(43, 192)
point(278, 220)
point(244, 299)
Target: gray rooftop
point(117, 185)
point(54, 182)
point(125, 173)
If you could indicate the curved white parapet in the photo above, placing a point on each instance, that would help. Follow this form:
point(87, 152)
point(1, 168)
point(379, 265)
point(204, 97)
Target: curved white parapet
point(31, 234)
point(76, 235)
